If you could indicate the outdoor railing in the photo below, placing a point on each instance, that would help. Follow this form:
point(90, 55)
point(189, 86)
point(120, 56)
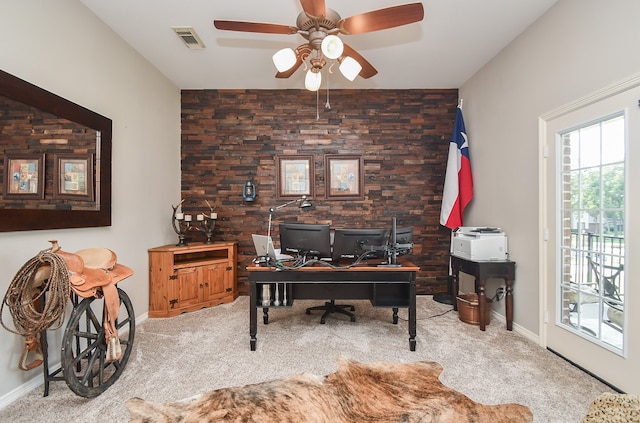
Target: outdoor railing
point(606, 251)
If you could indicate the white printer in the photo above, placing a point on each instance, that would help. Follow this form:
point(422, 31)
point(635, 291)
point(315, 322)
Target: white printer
point(479, 243)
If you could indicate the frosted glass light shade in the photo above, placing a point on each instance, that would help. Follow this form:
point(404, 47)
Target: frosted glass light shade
point(313, 80)
point(284, 59)
point(350, 68)
point(332, 47)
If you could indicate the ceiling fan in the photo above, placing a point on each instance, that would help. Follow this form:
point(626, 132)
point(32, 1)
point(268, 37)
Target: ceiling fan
point(320, 26)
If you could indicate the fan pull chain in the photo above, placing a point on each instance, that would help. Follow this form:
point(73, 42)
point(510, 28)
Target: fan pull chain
point(318, 104)
point(327, 106)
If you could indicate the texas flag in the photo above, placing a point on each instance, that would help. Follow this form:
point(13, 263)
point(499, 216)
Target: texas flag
point(458, 182)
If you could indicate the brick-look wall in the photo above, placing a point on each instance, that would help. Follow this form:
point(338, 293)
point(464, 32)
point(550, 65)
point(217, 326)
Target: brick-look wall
point(402, 135)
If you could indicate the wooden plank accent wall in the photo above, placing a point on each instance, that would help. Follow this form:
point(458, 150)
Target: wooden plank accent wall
point(403, 136)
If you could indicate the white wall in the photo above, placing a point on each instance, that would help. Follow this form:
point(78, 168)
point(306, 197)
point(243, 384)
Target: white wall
point(62, 47)
point(576, 48)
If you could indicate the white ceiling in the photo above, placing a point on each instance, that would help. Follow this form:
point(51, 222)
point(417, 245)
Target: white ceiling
point(455, 39)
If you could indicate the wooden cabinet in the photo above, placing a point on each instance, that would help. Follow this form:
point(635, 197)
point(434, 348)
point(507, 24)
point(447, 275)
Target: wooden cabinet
point(187, 278)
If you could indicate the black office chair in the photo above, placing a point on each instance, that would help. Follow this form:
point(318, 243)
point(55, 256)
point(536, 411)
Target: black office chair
point(331, 307)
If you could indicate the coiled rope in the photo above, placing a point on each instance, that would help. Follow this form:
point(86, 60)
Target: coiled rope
point(22, 297)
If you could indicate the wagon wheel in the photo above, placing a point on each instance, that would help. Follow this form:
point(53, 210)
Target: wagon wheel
point(84, 348)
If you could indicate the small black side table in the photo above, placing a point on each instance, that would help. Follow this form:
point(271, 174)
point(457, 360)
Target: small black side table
point(483, 270)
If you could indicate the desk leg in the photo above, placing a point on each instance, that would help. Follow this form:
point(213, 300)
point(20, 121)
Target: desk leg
point(482, 303)
point(455, 288)
point(508, 304)
point(395, 315)
point(412, 316)
point(253, 316)
point(265, 315)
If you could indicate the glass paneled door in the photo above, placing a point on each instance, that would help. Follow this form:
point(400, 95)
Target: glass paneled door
point(591, 168)
point(588, 201)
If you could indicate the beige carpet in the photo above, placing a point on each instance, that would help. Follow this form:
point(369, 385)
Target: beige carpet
point(184, 356)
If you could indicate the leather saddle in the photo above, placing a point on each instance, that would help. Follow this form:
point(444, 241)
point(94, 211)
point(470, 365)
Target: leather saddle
point(92, 269)
point(93, 272)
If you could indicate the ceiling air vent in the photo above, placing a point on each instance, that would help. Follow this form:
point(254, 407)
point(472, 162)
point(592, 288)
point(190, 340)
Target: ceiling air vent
point(188, 35)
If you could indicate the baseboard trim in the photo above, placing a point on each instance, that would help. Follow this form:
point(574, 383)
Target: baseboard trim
point(517, 328)
point(21, 390)
point(38, 381)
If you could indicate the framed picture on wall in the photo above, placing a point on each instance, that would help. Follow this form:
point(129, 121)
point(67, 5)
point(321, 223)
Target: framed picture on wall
point(23, 176)
point(73, 175)
point(344, 177)
point(295, 176)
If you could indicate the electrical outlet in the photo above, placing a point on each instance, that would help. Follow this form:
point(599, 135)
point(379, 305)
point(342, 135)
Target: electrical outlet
point(500, 292)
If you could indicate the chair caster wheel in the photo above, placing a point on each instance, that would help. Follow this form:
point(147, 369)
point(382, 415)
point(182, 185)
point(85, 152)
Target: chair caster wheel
point(353, 309)
point(308, 311)
point(322, 321)
point(353, 319)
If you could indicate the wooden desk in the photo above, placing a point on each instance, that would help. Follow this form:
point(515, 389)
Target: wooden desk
point(393, 287)
point(483, 270)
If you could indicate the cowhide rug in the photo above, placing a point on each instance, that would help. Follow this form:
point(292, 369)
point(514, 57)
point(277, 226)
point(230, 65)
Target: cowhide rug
point(357, 392)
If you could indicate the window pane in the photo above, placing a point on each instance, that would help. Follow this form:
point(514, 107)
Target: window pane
point(572, 140)
point(590, 146)
point(613, 186)
point(574, 183)
point(590, 188)
point(614, 223)
point(613, 140)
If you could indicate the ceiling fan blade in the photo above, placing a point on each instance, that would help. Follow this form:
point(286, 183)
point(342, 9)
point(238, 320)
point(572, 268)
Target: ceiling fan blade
point(367, 68)
point(261, 27)
point(302, 52)
point(376, 20)
point(290, 71)
point(314, 8)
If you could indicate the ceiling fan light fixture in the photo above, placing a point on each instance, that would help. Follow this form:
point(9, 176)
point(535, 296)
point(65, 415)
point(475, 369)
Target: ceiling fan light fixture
point(332, 47)
point(350, 68)
point(313, 80)
point(284, 59)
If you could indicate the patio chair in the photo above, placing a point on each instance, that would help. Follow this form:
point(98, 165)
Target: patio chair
point(608, 277)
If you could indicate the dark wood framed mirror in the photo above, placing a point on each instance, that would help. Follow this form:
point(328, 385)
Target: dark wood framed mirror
point(36, 121)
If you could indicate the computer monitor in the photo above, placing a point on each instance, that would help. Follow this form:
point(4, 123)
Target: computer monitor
point(306, 239)
point(403, 240)
point(353, 243)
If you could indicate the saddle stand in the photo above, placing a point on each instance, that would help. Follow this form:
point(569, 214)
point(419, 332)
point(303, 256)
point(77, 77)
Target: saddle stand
point(93, 272)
